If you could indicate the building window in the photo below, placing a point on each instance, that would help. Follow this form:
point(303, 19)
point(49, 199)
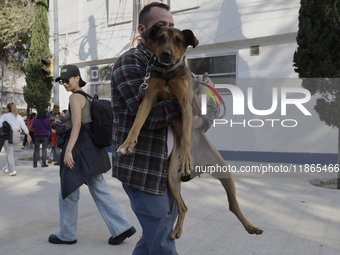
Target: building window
point(221, 69)
point(99, 78)
point(254, 50)
point(120, 12)
point(180, 6)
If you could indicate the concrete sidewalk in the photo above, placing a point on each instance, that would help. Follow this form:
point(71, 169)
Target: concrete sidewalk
point(297, 218)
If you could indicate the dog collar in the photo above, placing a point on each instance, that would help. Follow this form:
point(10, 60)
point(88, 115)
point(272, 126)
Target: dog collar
point(165, 70)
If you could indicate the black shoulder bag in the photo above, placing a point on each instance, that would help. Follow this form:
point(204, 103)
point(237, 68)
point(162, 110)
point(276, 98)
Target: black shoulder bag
point(44, 124)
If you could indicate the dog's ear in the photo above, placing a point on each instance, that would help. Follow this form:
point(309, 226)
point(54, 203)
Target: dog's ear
point(150, 32)
point(190, 38)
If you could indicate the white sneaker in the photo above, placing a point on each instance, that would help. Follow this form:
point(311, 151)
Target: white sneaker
point(13, 173)
point(23, 147)
point(5, 170)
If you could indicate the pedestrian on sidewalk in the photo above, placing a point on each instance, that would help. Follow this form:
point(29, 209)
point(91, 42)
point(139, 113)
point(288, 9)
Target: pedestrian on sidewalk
point(144, 173)
point(41, 125)
point(52, 156)
point(24, 142)
point(29, 125)
point(53, 114)
point(60, 121)
point(82, 161)
point(16, 122)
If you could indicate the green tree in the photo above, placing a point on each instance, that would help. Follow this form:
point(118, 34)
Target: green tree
point(37, 93)
point(16, 18)
point(317, 58)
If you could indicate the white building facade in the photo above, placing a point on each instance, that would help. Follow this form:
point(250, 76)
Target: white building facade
point(246, 43)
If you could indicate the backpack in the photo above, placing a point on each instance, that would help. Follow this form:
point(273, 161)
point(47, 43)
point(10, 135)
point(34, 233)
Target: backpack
point(102, 117)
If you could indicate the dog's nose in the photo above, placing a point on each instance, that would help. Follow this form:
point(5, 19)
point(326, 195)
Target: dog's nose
point(166, 53)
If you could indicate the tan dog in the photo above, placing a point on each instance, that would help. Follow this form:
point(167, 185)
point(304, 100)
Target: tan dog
point(171, 79)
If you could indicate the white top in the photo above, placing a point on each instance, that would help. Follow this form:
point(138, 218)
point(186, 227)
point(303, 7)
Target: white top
point(170, 141)
point(16, 123)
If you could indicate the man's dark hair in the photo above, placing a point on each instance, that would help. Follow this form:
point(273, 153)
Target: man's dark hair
point(144, 14)
point(42, 114)
point(64, 111)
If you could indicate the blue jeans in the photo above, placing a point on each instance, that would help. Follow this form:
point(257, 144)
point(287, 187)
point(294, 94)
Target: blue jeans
point(52, 154)
point(109, 208)
point(157, 215)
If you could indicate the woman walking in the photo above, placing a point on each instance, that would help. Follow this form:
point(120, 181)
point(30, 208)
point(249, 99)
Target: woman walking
point(30, 129)
point(41, 125)
point(29, 125)
point(82, 161)
point(16, 122)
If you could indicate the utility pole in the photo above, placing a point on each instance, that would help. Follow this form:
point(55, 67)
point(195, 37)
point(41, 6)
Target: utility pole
point(2, 86)
point(137, 7)
point(56, 52)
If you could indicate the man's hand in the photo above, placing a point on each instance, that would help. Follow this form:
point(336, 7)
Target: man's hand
point(198, 95)
point(198, 121)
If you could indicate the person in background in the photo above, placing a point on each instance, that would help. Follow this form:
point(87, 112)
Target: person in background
point(41, 126)
point(61, 121)
point(52, 114)
point(81, 161)
point(53, 139)
point(16, 122)
point(29, 125)
point(24, 142)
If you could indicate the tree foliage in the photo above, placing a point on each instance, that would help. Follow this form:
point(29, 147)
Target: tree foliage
point(317, 58)
point(16, 18)
point(37, 93)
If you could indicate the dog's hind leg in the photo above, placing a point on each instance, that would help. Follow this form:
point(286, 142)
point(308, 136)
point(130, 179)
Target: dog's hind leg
point(229, 186)
point(206, 154)
point(174, 185)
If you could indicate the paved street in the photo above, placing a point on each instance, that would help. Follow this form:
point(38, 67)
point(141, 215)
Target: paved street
point(297, 218)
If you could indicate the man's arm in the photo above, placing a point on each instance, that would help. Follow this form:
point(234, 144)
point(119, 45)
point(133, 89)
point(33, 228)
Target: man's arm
point(50, 116)
point(212, 111)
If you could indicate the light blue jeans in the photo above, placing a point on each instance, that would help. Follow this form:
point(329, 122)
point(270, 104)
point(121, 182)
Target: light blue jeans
point(109, 208)
point(52, 154)
point(9, 148)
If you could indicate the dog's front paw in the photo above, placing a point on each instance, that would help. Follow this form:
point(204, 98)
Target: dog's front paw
point(126, 148)
point(176, 234)
point(184, 164)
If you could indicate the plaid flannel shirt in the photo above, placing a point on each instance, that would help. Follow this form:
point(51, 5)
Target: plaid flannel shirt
point(146, 168)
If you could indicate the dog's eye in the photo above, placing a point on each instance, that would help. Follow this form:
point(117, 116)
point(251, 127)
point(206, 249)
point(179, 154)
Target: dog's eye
point(160, 39)
point(178, 41)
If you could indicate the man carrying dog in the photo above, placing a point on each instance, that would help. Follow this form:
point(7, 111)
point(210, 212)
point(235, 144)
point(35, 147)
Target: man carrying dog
point(144, 172)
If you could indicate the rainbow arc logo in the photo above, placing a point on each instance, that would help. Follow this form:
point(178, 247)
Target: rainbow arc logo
point(204, 97)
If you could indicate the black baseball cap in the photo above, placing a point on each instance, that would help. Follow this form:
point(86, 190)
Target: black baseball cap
point(69, 71)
